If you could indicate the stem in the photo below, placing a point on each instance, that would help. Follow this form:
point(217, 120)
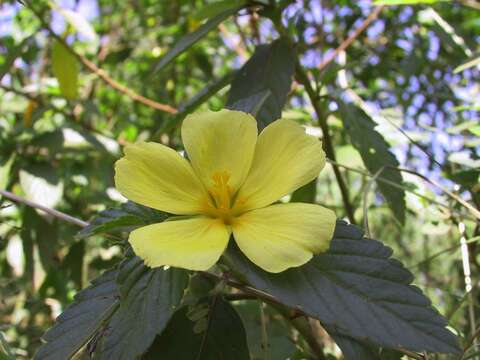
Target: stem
point(263, 326)
point(350, 39)
point(329, 149)
point(53, 212)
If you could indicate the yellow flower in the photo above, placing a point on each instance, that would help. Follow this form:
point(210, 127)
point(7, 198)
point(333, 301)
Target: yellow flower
point(229, 186)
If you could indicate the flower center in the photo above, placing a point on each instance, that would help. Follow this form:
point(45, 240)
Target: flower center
point(222, 195)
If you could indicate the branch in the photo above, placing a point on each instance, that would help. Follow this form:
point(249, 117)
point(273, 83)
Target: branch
point(349, 40)
point(53, 212)
point(102, 74)
point(329, 149)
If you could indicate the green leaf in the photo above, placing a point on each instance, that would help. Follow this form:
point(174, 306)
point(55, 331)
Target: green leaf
point(209, 331)
point(80, 321)
point(475, 61)
point(449, 38)
point(356, 288)
point(65, 68)
point(12, 55)
point(263, 83)
point(5, 166)
point(188, 40)
point(407, 2)
point(148, 298)
point(306, 194)
point(44, 234)
point(125, 218)
point(78, 22)
point(41, 184)
point(279, 344)
point(376, 155)
point(5, 351)
point(192, 104)
point(215, 8)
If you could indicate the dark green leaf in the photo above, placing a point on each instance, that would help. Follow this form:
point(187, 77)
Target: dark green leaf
point(126, 217)
point(43, 232)
point(307, 193)
point(81, 320)
point(12, 55)
point(73, 262)
point(148, 298)
point(212, 332)
point(5, 166)
point(375, 154)
point(356, 288)
point(353, 349)
point(188, 40)
point(264, 82)
point(279, 344)
point(192, 104)
point(214, 8)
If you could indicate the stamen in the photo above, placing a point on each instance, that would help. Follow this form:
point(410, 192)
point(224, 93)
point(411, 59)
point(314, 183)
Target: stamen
point(221, 192)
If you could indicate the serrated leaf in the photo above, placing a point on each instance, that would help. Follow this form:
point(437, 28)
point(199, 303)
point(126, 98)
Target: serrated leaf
point(356, 288)
point(221, 337)
point(375, 154)
point(81, 320)
point(353, 349)
point(126, 217)
point(264, 80)
point(65, 68)
point(148, 298)
point(41, 184)
point(119, 315)
point(188, 40)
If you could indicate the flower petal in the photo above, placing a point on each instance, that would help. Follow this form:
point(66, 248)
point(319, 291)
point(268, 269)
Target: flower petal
point(194, 244)
point(154, 175)
point(219, 142)
point(281, 236)
point(285, 159)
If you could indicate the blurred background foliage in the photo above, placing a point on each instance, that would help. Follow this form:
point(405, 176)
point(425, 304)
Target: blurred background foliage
point(69, 102)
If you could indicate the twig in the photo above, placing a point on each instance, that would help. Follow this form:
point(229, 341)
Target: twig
point(444, 251)
point(365, 200)
point(350, 39)
point(101, 73)
point(329, 149)
point(398, 186)
point(263, 326)
point(53, 212)
point(466, 204)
